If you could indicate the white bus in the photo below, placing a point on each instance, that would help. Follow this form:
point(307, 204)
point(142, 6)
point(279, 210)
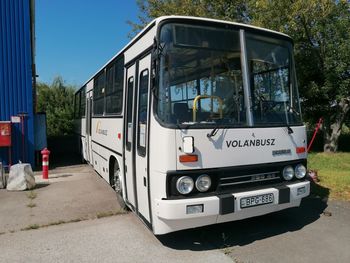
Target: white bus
point(195, 122)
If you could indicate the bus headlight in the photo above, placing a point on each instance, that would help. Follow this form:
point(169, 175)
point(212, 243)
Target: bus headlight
point(288, 173)
point(184, 185)
point(203, 183)
point(300, 171)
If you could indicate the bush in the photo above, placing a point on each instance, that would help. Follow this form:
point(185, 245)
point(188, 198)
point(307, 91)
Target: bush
point(57, 101)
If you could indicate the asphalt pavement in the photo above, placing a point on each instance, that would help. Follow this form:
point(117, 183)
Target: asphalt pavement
point(315, 232)
point(120, 238)
point(72, 193)
point(318, 231)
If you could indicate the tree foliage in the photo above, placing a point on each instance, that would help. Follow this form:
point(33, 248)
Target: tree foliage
point(56, 100)
point(320, 30)
point(232, 10)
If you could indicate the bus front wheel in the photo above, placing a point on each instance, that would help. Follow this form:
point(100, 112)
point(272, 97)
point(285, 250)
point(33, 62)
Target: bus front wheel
point(117, 184)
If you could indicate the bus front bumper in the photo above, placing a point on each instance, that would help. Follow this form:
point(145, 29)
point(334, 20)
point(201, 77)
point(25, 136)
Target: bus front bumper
point(194, 212)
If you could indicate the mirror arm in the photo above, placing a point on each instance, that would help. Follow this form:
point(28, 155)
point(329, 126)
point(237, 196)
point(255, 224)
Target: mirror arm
point(154, 70)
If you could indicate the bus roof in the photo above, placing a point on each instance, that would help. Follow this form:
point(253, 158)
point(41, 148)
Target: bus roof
point(157, 20)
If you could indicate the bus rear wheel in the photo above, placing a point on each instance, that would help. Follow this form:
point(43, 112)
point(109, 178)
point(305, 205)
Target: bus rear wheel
point(117, 185)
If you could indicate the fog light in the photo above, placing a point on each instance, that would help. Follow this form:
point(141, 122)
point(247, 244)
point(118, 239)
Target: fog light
point(194, 209)
point(288, 173)
point(301, 190)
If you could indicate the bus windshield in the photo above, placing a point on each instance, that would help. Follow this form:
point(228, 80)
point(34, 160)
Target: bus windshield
point(201, 82)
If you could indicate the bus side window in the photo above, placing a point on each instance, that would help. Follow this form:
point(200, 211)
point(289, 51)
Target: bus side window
point(129, 113)
point(99, 93)
point(142, 113)
point(114, 87)
point(77, 105)
point(82, 102)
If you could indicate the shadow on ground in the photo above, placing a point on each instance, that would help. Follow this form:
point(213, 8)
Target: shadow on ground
point(64, 151)
point(60, 160)
point(240, 233)
point(40, 185)
point(66, 160)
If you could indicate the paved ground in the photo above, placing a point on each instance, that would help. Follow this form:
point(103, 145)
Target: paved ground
point(317, 232)
point(119, 239)
point(308, 234)
point(71, 193)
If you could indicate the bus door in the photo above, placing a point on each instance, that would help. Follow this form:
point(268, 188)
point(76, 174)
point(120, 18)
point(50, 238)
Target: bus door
point(129, 123)
point(141, 151)
point(136, 136)
point(88, 150)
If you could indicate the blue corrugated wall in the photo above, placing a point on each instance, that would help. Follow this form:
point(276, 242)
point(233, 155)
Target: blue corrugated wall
point(16, 91)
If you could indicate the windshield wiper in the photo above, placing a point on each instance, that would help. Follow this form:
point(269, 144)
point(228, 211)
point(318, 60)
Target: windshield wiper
point(285, 122)
point(291, 109)
point(213, 132)
point(290, 130)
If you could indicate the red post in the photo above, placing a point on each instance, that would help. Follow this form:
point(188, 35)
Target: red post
point(5, 138)
point(315, 132)
point(45, 157)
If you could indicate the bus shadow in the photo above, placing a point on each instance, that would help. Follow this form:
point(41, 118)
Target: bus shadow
point(243, 232)
point(62, 160)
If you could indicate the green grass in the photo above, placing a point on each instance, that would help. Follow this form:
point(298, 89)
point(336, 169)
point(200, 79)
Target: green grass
point(31, 205)
point(30, 227)
point(31, 195)
point(334, 173)
point(55, 223)
point(60, 222)
point(110, 213)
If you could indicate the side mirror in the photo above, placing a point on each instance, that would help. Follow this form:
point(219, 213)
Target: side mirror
point(154, 68)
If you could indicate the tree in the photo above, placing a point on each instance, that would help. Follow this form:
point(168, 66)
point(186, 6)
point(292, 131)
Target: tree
point(56, 100)
point(320, 29)
point(232, 10)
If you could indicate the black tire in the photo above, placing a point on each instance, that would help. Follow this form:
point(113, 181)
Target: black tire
point(117, 185)
point(81, 154)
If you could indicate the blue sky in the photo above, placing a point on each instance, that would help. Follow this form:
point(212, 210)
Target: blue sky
point(74, 38)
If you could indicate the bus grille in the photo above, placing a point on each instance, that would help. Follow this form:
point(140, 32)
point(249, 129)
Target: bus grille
point(232, 182)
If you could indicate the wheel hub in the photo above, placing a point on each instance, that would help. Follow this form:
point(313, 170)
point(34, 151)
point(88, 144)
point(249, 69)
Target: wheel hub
point(117, 183)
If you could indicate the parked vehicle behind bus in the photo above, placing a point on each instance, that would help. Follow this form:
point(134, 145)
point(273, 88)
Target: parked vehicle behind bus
point(196, 122)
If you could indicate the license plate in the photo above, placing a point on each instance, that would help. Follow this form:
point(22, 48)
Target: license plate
point(256, 200)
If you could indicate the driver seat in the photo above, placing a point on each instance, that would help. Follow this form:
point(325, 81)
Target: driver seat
point(181, 112)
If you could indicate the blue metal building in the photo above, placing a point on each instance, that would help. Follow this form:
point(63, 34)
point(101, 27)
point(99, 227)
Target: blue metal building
point(17, 76)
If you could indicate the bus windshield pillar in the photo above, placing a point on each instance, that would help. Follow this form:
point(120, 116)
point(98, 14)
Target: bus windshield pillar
point(246, 84)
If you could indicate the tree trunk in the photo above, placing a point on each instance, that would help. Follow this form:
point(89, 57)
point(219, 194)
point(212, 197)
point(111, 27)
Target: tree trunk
point(333, 126)
point(331, 136)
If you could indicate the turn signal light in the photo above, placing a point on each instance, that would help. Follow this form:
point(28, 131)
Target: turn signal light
point(188, 158)
point(300, 150)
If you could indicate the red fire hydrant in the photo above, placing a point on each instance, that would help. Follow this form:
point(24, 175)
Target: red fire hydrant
point(45, 157)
